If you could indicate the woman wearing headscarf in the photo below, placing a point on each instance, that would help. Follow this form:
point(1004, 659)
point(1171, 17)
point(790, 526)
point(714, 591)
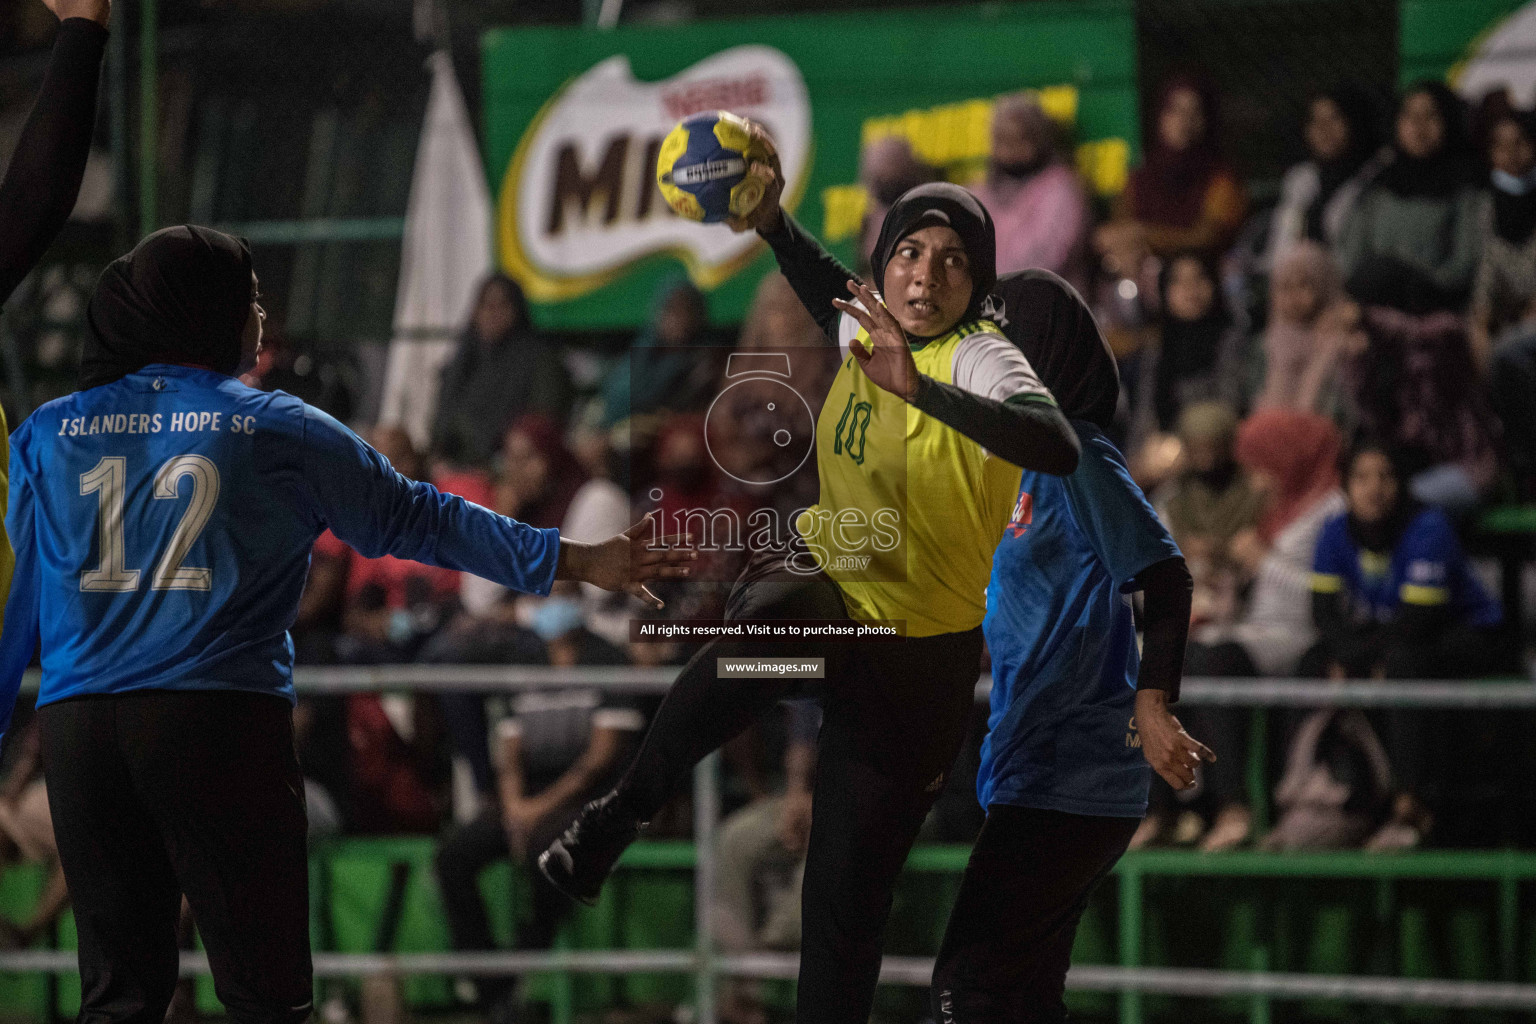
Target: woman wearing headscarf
point(1185, 197)
point(1415, 236)
point(928, 422)
point(663, 370)
point(1074, 725)
point(1200, 347)
point(163, 516)
point(1505, 287)
point(1305, 336)
point(1035, 197)
point(502, 369)
point(1345, 153)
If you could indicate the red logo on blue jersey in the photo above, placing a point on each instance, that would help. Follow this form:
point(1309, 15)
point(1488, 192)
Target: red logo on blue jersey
point(1023, 514)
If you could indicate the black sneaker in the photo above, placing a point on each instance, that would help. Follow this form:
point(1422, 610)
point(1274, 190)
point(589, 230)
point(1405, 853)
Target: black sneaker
point(579, 862)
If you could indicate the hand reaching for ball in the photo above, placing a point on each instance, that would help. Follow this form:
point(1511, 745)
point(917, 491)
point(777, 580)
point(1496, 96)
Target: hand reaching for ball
point(765, 216)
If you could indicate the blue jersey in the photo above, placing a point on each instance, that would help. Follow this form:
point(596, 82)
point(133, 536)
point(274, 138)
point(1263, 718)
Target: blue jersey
point(163, 523)
point(1061, 633)
point(1426, 567)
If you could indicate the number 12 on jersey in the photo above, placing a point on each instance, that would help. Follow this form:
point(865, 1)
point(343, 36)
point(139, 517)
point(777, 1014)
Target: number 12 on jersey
point(108, 480)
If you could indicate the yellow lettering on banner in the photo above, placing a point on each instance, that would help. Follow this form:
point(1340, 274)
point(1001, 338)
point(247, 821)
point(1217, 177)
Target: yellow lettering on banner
point(843, 209)
point(1105, 164)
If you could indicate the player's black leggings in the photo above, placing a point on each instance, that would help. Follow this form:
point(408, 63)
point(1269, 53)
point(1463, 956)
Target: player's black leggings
point(1009, 940)
point(159, 793)
point(894, 717)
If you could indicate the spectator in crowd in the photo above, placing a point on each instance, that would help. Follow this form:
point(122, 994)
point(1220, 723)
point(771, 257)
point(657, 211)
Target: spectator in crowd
point(1412, 382)
point(503, 368)
point(1336, 786)
point(1505, 286)
point(1415, 236)
point(761, 862)
point(659, 373)
point(555, 750)
point(1200, 347)
point(1306, 332)
point(1293, 458)
point(1345, 153)
point(887, 168)
point(1037, 202)
point(539, 476)
point(1394, 597)
point(26, 835)
point(1210, 504)
point(1185, 197)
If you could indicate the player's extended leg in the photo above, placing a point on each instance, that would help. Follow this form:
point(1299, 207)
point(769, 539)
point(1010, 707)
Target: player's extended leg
point(700, 713)
point(220, 773)
point(124, 891)
point(887, 741)
point(1009, 941)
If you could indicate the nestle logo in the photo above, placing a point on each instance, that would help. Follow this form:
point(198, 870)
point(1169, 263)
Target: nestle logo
point(715, 94)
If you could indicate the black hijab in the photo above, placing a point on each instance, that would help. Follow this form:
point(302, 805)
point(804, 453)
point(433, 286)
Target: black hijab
point(181, 296)
point(1447, 170)
point(1048, 320)
point(1514, 214)
point(942, 204)
point(1381, 536)
point(1359, 111)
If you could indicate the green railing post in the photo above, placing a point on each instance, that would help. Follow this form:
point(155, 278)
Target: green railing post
point(1509, 927)
point(1258, 769)
point(1130, 936)
point(149, 115)
point(1260, 1006)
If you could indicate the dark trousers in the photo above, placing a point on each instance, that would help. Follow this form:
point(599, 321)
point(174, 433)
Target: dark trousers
point(894, 716)
point(159, 793)
point(469, 849)
point(1009, 941)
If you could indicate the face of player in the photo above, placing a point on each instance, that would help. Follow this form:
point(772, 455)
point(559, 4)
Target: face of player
point(1181, 123)
point(1420, 130)
point(1371, 487)
point(1190, 290)
point(1327, 130)
point(927, 284)
point(1510, 151)
point(250, 338)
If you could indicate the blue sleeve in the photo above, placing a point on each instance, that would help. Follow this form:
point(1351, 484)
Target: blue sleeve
point(1114, 515)
point(1333, 558)
point(366, 503)
point(18, 637)
point(1430, 555)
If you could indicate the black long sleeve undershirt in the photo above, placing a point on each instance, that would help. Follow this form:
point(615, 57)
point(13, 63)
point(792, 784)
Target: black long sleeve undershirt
point(1167, 592)
point(43, 181)
point(1029, 433)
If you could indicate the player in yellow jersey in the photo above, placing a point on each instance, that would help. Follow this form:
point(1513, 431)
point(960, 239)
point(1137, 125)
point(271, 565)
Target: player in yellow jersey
point(928, 421)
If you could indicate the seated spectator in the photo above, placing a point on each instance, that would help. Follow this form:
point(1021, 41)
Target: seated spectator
point(1184, 197)
point(503, 368)
point(1306, 333)
point(26, 836)
point(1412, 383)
point(760, 862)
point(1293, 458)
point(555, 750)
point(1394, 597)
point(1345, 153)
point(1209, 505)
point(1415, 237)
point(887, 168)
point(1037, 202)
point(1505, 286)
point(1199, 352)
point(659, 373)
point(1337, 783)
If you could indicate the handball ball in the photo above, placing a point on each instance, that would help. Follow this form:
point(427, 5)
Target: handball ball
point(702, 168)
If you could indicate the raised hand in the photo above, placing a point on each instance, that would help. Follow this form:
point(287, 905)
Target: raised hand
point(99, 11)
point(628, 561)
point(1172, 752)
point(888, 359)
point(764, 157)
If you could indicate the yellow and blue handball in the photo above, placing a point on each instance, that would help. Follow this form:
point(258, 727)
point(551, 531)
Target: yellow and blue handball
point(702, 168)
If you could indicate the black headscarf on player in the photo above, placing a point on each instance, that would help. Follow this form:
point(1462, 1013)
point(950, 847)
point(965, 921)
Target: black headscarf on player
point(1048, 320)
point(940, 204)
point(181, 296)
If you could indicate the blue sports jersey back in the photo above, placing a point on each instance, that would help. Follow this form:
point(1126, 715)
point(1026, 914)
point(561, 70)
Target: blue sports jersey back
point(168, 556)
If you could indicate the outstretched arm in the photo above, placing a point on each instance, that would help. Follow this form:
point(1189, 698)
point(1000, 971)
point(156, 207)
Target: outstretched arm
point(43, 181)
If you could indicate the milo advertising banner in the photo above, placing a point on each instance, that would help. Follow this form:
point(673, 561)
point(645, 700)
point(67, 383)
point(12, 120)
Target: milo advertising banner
point(1478, 46)
point(575, 117)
